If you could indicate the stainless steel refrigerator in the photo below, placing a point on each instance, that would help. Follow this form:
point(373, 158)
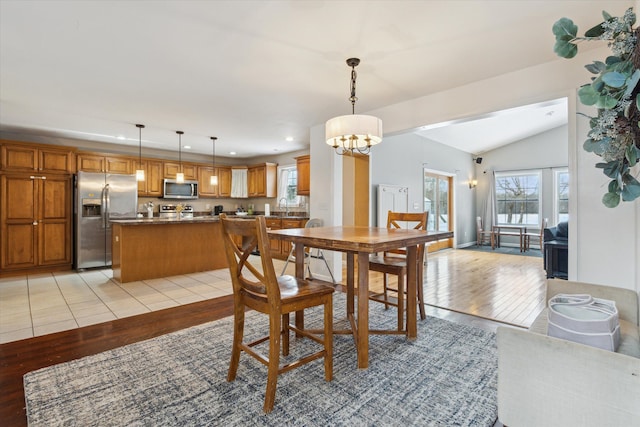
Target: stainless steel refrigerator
point(100, 197)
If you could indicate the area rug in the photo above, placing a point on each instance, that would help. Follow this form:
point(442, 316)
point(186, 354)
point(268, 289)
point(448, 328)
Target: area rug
point(505, 250)
point(447, 377)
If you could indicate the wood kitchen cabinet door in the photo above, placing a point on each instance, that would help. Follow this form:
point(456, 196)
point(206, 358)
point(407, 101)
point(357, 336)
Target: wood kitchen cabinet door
point(32, 158)
point(303, 167)
point(94, 162)
point(152, 184)
point(275, 244)
point(35, 221)
point(189, 170)
point(262, 181)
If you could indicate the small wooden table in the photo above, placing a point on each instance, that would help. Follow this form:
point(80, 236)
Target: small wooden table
point(361, 242)
point(507, 230)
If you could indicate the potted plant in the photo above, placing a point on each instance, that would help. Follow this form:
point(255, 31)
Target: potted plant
point(614, 91)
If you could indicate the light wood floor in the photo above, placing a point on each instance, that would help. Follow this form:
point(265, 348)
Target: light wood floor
point(506, 288)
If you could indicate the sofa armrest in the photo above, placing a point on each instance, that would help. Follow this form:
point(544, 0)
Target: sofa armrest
point(626, 299)
point(544, 381)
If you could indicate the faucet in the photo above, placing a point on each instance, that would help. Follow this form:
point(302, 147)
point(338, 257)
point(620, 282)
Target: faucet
point(286, 206)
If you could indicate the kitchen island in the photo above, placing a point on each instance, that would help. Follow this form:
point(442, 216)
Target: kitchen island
point(150, 248)
point(153, 248)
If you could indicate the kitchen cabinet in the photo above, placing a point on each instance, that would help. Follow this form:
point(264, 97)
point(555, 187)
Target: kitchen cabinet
point(189, 170)
point(153, 175)
point(262, 181)
point(35, 220)
point(94, 162)
point(22, 157)
point(303, 167)
point(223, 189)
point(279, 248)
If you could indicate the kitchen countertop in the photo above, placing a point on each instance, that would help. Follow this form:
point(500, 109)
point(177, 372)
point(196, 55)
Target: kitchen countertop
point(196, 219)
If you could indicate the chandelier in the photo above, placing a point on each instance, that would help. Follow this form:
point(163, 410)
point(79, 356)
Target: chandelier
point(354, 132)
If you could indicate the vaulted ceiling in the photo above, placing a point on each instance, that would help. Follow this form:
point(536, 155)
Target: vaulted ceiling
point(252, 73)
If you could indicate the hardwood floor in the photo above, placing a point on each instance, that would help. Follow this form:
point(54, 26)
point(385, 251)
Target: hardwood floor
point(488, 285)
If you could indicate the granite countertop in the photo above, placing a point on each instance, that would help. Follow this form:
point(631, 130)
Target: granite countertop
point(195, 219)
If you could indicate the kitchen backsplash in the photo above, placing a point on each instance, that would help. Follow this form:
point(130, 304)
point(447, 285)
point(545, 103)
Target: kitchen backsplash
point(230, 205)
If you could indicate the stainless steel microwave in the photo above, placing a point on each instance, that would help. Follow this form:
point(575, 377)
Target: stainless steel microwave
point(180, 190)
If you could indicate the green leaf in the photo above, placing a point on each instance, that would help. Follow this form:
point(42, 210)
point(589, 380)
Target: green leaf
point(606, 15)
point(632, 153)
point(594, 68)
point(614, 79)
point(565, 49)
point(611, 200)
point(596, 31)
point(588, 95)
point(606, 102)
point(610, 169)
point(613, 186)
point(632, 82)
point(564, 26)
point(638, 101)
point(631, 189)
point(612, 60)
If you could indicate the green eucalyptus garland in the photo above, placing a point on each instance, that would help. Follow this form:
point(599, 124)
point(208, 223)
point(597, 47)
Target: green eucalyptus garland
point(614, 91)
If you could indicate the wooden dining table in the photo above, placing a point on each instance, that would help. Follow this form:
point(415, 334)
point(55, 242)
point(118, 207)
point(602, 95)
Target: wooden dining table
point(358, 243)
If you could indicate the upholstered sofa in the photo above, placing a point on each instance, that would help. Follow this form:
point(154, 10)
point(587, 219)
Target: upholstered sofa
point(545, 381)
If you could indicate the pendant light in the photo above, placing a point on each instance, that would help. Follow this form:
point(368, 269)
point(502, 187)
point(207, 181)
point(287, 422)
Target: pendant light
point(214, 176)
point(180, 175)
point(355, 132)
point(140, 170)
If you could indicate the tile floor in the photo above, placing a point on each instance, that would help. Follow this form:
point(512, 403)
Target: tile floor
point(41, 304)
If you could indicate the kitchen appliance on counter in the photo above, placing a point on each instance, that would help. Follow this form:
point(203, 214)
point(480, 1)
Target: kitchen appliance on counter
point(217, 210)
point(171, 212)
point(99, 198)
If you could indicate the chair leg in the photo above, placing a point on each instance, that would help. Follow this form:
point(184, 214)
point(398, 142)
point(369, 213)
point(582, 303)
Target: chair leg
point(328, 339)
point(285, 334)
point(384, 287)
point(321, 255)
point(238, 331)
point(423, 315)
point(274, 361)
point(401, 305)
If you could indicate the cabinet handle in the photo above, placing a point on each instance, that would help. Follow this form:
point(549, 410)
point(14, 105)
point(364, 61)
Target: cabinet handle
point(43, 177)
point(35, 222)
point(32, 177)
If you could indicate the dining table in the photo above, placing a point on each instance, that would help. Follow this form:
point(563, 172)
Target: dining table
point(359, 243)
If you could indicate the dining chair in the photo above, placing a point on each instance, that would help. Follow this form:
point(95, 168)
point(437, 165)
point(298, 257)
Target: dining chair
point(539, 235)
point(309, 253)
point(481, 232)
point(394, 262)
point(256, 286)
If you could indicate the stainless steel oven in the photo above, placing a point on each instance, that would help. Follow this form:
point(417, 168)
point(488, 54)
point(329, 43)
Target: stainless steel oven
point(171, 212)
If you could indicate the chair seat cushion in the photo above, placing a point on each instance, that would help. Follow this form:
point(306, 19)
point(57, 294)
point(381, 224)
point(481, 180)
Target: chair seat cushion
point(394, 261)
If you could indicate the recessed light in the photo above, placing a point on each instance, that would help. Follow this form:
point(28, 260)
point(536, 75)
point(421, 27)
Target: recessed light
point(186, 147)
point(120, 137)
point(233, 153)
point(289, 139)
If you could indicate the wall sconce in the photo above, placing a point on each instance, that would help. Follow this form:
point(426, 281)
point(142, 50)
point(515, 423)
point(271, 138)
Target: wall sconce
point(473, 183)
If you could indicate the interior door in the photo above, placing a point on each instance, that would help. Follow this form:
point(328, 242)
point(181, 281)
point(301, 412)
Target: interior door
point(438, 198)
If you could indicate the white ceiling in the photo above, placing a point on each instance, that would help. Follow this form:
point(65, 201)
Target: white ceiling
point(253, 73)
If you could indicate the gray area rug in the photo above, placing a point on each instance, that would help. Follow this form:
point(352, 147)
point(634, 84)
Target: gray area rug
point(506, 250)
point(447, 377)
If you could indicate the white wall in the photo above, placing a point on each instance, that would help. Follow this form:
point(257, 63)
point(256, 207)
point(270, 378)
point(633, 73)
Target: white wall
point(400, 161)
point(604, 245)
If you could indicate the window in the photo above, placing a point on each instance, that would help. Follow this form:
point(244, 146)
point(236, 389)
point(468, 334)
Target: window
point(518, 198)
point(288, 186)
point(561, 195)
